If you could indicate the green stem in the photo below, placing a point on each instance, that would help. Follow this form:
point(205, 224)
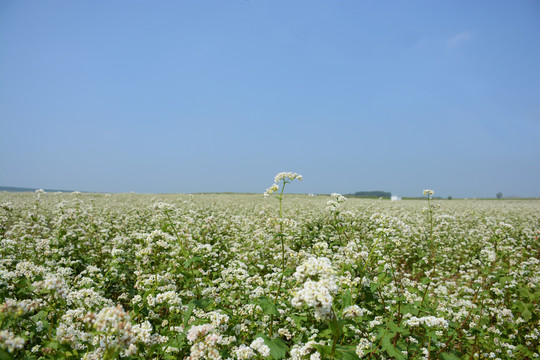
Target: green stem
point(336, 332)
point(365, 266)
point(182, 249)
point(281, 235)
point(430, 219)
point(174, 230)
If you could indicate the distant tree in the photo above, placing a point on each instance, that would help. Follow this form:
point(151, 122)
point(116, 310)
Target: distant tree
point(383, 194)
point(449, 197)
point(499, 195)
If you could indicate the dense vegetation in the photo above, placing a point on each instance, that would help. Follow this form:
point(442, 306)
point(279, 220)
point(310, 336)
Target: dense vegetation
point(377, 194)
point(243, 277)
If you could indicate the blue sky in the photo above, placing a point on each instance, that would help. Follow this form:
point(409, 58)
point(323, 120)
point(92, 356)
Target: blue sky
point(219, 96)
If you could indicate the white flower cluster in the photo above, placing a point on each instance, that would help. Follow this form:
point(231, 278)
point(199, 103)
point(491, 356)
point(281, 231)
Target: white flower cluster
point(87, 298)
point(339, 198)
point(111, 319)
point(428, 192)
point(362, 346)
point(275, 222)
point(354, 311)
point(9, 341)
point(488, 255)
point(429, 321)
point(18, 308)
point(54, 284)
point(8, 206)
point(163, 206)
point(114, 330)
point(319, 287)
point(198, 331)
point(335, 204)
point(170, 298)
point(206, 342)
point(248, 352)
point(299, 351)
point(259, 345)
point(243, 352)
point(286, 177)
point(313, 267)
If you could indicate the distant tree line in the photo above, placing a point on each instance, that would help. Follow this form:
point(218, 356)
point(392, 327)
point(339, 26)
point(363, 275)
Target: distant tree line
point(23, 189)
point(383, 194)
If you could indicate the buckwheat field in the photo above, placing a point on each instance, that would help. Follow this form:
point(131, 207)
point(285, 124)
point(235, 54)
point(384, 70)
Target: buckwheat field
point(279, 276)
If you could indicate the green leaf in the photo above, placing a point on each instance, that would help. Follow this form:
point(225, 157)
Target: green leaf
point(324, 350)
point(268, 306)
point(51, 344)
point(449, 356)
point(391, 349)
point(346, 299)
point(519, 305)
point(346, 353)
point(484, 320)
point(193, 260)
point(188, 313)
point(39, 316)
point(524, 293)
point(396, 329)
point(203, 303)
point(526, 314)
point(505, 279)
point(289, 271)
point(4, 355)
point(326, 333)
point(392, 326)
point(278, 348)
point(336, 327)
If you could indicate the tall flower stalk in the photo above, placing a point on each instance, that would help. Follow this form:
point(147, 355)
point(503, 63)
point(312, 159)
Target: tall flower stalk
point(280, 181)
point(429, 193)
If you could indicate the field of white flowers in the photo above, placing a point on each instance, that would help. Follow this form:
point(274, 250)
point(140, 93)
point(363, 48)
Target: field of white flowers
point(99, 276)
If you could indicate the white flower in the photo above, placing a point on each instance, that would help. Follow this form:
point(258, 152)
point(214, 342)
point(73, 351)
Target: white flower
point(339, 198)
point(112, 319)
point(243, 352)
point(271, 190)
point(9, 341)
point(259, 345)
point(429, 321)
point(197, 331)
point(354, 311)
point(286, 177)
point(316, 293)
point(362, 346)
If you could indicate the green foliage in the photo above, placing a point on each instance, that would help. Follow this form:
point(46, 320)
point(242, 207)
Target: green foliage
point(377, 194)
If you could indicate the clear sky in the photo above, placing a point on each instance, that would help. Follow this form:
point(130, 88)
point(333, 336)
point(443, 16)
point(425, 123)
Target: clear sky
point(219, 96)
